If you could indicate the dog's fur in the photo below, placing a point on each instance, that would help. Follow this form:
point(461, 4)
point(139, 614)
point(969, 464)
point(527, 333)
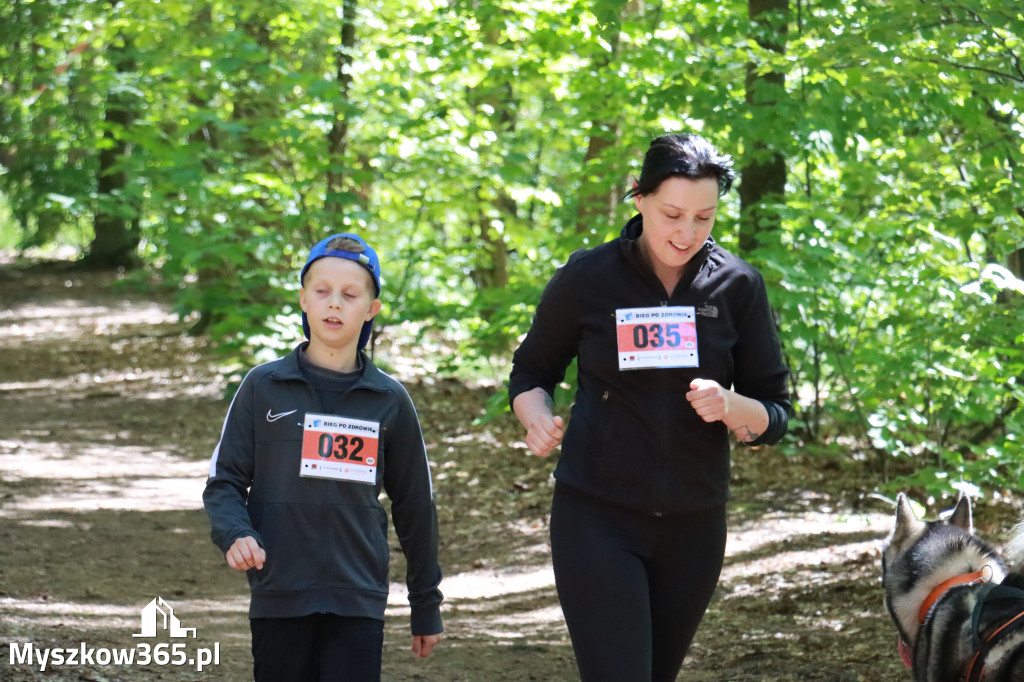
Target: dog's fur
point(919, 557)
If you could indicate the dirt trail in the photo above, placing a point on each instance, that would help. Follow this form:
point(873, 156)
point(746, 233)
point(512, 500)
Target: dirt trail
point(108, 414)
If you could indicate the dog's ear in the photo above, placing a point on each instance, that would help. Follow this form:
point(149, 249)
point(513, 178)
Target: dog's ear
point(961, 516)
point(907, 523)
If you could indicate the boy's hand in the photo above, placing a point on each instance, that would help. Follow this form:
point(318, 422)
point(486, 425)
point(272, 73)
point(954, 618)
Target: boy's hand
point(246, 553)
point(422, 645)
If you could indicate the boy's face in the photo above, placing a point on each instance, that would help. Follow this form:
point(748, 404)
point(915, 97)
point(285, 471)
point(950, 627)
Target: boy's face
point(337, 297)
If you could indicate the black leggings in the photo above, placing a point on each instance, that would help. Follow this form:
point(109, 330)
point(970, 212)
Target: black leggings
point(633, 587)
point(320, 647)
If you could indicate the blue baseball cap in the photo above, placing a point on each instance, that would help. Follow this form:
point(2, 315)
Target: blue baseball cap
point(368, 259)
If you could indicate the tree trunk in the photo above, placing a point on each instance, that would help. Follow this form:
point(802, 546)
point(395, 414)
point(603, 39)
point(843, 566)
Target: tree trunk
point(1015, 261)
point(490, 269)
point(763, 175)
point(116, 223)
point(597, 198)
point(337, 138)
point(208, 136)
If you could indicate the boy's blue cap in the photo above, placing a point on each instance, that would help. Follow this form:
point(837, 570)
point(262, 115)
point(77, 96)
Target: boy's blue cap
point(368, 259)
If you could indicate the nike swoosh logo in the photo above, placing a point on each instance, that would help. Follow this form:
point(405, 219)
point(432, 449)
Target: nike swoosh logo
point(275, 417)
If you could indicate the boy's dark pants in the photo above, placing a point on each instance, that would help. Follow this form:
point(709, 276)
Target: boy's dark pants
point(320, 647)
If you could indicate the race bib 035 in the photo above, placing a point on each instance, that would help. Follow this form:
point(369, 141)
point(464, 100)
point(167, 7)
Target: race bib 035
point(661, 337)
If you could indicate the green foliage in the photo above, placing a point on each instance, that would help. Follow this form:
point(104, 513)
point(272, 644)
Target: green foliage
point(908, 332)
point(478, 144)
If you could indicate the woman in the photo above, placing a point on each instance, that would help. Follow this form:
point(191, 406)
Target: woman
point(676, 347)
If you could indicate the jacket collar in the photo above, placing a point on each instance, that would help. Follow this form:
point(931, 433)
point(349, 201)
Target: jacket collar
point(370, 377)
point(631, 250)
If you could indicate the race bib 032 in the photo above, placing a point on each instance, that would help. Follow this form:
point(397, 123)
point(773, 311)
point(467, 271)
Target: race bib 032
point(661, 337)
point(340, 448)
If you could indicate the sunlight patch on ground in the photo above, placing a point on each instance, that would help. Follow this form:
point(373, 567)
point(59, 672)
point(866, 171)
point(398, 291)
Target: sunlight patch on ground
point(791, 570)
point(56, 614)
point(480, 585)
point(129, 611)
point(90, 478)
point(520, 626)
point(780, 527)
point(67, 319)
point(780, 571)
point(172, 383)
point(476, 601)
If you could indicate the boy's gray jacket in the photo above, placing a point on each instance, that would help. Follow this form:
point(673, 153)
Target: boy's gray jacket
point(326, 541)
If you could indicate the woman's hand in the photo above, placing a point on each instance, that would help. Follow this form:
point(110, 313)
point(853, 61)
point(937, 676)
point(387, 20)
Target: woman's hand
point(709, 400)
point(544, 435)
point(745, 417)
point(543, 430)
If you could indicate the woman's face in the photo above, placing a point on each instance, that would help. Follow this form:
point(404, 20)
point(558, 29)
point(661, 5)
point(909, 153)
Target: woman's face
point(678, 219)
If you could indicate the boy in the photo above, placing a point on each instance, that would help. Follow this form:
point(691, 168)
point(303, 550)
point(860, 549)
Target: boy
point(308, 442)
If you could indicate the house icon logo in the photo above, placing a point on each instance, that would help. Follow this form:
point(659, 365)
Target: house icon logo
point(170, 621)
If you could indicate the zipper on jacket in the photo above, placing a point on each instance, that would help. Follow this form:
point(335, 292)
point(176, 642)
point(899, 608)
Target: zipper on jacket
point(664, 451)
point(322, 597)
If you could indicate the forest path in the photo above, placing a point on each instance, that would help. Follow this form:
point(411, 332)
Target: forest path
point(108, 414)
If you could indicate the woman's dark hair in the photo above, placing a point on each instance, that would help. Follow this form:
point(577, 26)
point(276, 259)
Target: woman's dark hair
point(682, 155)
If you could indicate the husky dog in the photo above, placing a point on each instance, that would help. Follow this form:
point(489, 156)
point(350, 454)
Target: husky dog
point(959, 609)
